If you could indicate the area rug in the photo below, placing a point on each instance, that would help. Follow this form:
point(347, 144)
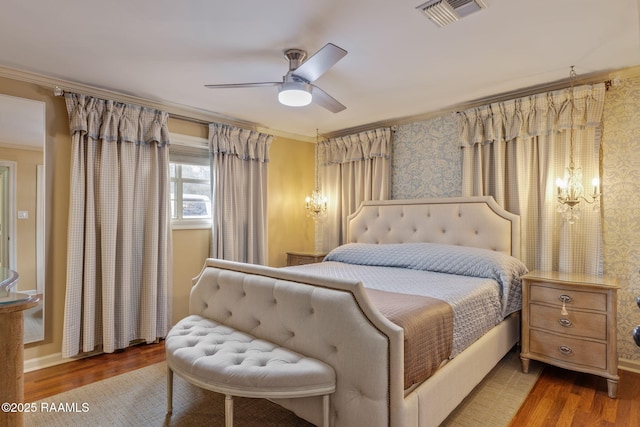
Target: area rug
point(495, 401)
point(138, 398)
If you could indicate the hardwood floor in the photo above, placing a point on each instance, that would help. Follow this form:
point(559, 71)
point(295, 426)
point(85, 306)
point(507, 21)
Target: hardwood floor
point(566, 398)
point(559, 398)
point(60, 378)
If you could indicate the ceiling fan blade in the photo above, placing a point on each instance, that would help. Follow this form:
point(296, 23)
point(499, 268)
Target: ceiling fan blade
point(325, 100)
point(320, 62)
point(236, 85)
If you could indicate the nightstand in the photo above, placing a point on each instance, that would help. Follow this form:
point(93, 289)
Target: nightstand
point(300, 258)
point(569, 320)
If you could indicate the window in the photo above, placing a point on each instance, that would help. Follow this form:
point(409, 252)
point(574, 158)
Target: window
point(190, 191)
point(190, 182)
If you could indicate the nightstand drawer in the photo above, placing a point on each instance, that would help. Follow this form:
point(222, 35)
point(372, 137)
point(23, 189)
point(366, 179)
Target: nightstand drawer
point(585, 338)
point(552, 294)
point(570, 350)
point(590, 325)
point(299, 258)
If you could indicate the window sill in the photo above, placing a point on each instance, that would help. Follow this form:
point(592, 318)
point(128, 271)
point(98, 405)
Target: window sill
point(191, 225)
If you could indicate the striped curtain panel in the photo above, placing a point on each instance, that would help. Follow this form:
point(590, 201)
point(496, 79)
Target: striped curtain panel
point(516, 150)
point(239, 160)
point(354, 168)
point(119, 247)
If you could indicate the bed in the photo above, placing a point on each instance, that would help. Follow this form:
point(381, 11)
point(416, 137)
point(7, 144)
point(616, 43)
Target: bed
point(333, 311)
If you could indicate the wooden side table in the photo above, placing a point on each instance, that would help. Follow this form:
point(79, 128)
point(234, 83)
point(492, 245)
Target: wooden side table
point(12, 347)
point(569, 320)
point(300, 258)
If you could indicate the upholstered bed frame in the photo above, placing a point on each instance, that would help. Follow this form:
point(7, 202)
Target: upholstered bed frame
point(333, 320)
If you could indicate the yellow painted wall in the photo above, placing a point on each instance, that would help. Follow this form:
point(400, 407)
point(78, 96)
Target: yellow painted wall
point(290, 178)
point(190, 249)
point(291, 175)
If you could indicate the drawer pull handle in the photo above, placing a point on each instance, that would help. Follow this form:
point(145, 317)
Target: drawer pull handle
point(565, 299)
point(565, 322)
point(565, 350)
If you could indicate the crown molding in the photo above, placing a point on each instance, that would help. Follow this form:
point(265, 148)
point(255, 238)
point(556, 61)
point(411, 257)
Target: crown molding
point(13, 146)
point(204, 117)
point(612, 76)
point(175, 110)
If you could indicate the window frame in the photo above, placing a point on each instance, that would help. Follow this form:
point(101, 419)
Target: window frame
point(192, 146)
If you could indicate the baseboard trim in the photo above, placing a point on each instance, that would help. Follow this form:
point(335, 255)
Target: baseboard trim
point(53, 360)
point(45, 362)
point(629, 365)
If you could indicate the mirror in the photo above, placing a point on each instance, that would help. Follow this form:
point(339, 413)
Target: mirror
point(22, 202)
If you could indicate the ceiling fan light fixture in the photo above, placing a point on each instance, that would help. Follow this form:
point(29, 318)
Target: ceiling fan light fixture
point(295, 94)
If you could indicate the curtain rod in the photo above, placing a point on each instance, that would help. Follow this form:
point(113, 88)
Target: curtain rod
point(205, 118)
point(190, 119)
point(606, 78)
point(58, 91)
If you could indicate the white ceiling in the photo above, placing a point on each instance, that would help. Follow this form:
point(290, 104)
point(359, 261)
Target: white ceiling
point(399, 63)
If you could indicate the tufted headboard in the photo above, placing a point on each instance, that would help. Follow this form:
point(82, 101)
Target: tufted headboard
point(465, 221)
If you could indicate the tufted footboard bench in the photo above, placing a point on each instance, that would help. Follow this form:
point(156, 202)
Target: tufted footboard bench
point(222, 359)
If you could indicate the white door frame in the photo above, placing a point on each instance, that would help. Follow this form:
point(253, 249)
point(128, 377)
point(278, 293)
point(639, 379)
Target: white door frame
point(40, 222)
point(10, 231)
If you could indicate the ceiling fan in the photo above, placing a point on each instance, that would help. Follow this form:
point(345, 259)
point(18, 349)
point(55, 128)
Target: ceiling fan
point(296, 88)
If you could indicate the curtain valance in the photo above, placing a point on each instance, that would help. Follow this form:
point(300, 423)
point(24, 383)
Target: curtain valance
point(531, 116)
point(355, 168)
point(361, 146)
point(242, 143)
point(111, 121)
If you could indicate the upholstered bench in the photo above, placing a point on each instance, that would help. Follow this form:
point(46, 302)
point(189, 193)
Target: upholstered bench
point(216, 357)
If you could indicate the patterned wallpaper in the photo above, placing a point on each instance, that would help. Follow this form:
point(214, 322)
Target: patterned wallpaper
point(620, 193)
point(427, 163)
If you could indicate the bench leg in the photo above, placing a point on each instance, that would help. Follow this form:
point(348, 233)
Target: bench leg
point(169, 390)
point(228, 410)
point(325, 410)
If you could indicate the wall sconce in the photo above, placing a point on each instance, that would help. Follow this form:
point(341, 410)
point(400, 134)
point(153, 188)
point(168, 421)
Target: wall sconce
point(570, 188)
point(316, 205)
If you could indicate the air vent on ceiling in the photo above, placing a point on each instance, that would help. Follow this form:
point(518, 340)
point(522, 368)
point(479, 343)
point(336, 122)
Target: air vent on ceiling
point(443, 12)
